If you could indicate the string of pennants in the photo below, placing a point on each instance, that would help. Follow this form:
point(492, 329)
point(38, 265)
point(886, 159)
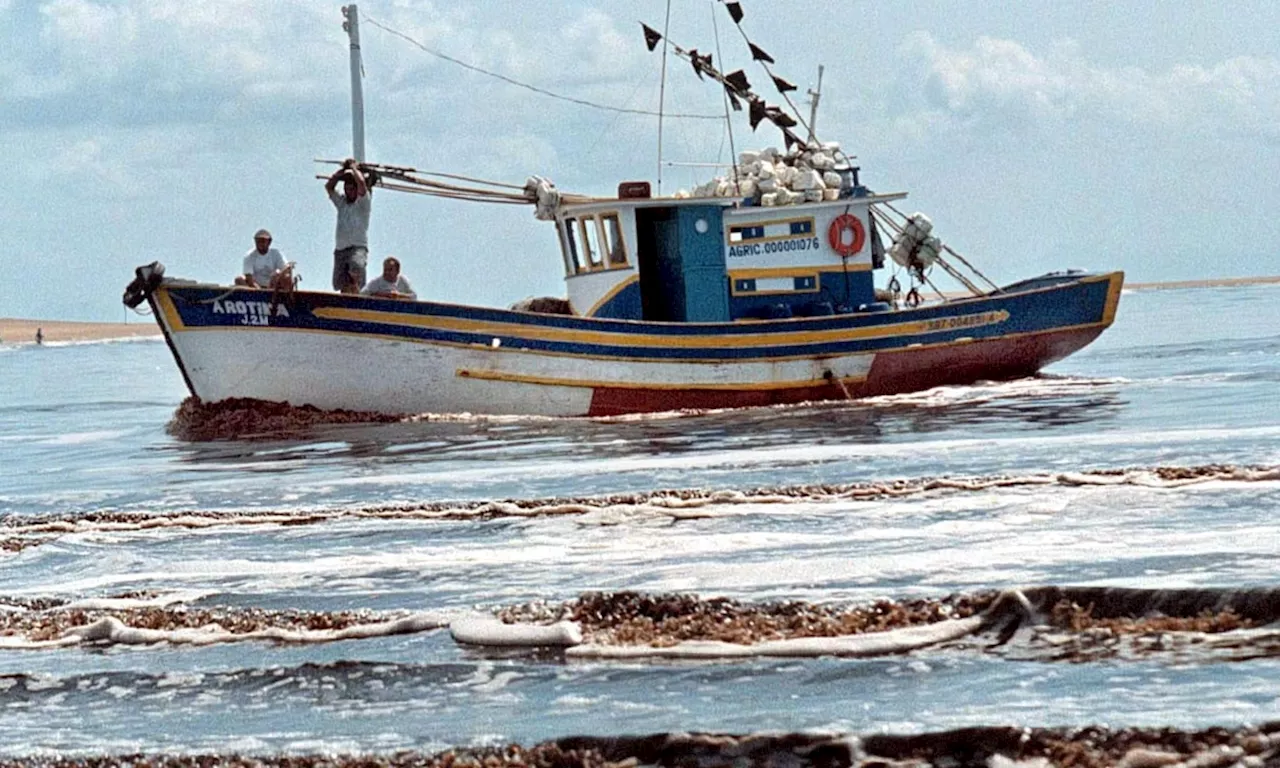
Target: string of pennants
point(735, 83)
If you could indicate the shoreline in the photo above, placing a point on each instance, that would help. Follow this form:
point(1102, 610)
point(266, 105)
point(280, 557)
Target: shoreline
point(15, 330)
point(1210, 282)
point(22, 331)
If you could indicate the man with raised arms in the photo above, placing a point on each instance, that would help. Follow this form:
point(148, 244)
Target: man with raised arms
point(351, 236)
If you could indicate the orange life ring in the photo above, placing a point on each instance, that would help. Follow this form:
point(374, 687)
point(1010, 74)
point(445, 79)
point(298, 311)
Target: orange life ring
point(846, 223)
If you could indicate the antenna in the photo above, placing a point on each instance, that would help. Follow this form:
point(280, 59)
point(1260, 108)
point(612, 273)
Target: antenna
point(352, 28)
point(815, 95)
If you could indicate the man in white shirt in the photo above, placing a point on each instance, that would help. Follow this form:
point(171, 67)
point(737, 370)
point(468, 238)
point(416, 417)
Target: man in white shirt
point(262, 264)
point(390, 284)
point(351, 237)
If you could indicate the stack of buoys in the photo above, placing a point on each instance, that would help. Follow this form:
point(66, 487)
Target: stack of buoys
point(914, 246)
point(806, 174)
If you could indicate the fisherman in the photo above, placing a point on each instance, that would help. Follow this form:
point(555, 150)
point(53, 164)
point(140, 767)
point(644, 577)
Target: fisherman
point(390, 284)
point(351, 238)
point(262, 265)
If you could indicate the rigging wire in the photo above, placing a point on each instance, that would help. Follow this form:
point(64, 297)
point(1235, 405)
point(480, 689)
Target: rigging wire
point(949, 250)
point(662, 90)
point(728, 122)
point(534, 88)
point(950, 270)
point(769, 72)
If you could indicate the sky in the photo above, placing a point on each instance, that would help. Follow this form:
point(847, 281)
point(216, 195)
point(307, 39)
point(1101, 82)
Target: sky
point(1037, 135)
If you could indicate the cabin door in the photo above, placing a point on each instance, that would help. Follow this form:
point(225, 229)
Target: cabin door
point(680, 255)
point(658, 275)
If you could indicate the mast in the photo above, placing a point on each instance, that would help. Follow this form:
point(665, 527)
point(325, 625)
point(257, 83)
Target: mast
point(813, 107)
point(352, 27)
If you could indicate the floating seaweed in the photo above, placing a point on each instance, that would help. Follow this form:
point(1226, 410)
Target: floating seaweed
point(241, 418)
point(1091, 747)
point(675, 504)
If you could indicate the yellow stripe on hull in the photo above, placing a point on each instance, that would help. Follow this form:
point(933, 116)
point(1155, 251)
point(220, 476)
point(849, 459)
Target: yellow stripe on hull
point(660, 341)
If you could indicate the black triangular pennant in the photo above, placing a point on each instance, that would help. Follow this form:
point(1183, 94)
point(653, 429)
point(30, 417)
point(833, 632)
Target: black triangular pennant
point(758, 112)
point(780, 118)
point(758, 53)
point(651, 36)
point(783, 85)
point(700, 63)
point(738, 80)
point(733, 100)
point(735, 11)
point(696, 62)
point(789, 138)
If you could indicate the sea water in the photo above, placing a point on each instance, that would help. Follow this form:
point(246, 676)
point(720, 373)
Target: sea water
point(1185, 378)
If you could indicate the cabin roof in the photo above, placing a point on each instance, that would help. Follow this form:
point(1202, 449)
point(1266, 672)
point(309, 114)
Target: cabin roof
point(614, 203)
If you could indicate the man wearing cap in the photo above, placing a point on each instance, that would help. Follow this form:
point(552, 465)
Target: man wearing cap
point(262, 264)
point(351, 237)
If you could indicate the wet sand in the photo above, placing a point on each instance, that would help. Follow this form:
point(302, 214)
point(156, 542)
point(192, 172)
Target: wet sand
point(17, 331)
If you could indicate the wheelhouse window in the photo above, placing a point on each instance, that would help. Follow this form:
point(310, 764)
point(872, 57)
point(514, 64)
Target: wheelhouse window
point(591, 243)
point(569, 232)
point(617, 252)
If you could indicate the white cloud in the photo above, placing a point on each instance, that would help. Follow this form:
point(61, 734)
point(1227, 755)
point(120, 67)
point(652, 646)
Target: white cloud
point(97, 39)
point(148, 61)
point(86, 162)
point(1000, 84)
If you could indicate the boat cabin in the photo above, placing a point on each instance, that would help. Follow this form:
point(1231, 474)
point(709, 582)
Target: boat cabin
point(716, 259)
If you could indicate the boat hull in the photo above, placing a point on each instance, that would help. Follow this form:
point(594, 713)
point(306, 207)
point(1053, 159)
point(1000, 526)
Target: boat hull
point(348, 352)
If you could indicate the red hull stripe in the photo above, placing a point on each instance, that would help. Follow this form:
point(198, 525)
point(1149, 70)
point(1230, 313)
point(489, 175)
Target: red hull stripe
point(907, 370)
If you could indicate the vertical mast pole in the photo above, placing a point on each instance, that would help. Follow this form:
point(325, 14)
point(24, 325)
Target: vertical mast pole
point(352, 27)
point(813, 107)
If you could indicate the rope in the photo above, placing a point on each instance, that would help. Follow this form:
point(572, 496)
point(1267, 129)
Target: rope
point(219, 297)
point(948, 249)
point(528, 87)
point(394, 169)
point(975, 290)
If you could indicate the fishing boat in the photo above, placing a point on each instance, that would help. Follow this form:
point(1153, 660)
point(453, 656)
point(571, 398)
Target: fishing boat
point(758, 288)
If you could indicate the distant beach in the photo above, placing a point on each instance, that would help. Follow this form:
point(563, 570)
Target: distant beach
point(14, 330)
point(1213, 282)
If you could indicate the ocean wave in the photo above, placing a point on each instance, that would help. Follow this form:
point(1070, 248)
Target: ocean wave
point(248, 419)
point(129, 621)
point(1039, 623)
point(20, 532)
point(993, 746)
point(1046, 623)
